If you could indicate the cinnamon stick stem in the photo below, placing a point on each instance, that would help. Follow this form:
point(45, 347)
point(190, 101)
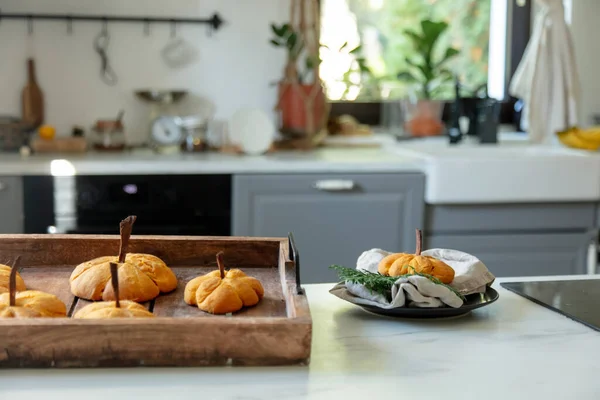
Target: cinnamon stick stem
point(419, 242)
point(114, 276)
point(126, 227)
point(221, 264)
point(12, 282)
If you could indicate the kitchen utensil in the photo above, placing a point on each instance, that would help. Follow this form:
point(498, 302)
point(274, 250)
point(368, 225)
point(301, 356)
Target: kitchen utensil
point(252, 130)
point(166, 133)
point(194, 130)
point(472, 302)
point(163, 103)
point(178, 52)
point(107, 74)
point(32, 98)
point(120, 117)
point(156, 96)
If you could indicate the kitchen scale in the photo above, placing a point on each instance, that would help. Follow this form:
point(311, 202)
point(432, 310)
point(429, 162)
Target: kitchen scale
point(164, 125)
point(576, 299)
point(175, 125)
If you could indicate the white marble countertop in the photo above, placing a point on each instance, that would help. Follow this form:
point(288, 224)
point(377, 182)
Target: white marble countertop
point(512, 349)
point(321, 161)
point(512, 171)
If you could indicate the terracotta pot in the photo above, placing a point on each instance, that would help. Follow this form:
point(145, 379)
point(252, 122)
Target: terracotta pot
point(423, 117)
point(294, 118)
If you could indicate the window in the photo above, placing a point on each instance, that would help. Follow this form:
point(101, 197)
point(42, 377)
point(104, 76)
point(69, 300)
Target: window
point(479, 28)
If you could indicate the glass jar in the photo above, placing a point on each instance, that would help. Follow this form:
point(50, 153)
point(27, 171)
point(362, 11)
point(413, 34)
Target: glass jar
point(108, 135)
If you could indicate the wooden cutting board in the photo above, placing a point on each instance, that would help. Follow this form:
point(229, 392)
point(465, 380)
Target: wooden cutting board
point(59, 145)
point(32, 98)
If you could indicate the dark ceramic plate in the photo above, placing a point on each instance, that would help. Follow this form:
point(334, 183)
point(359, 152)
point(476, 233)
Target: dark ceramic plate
point(473, 302)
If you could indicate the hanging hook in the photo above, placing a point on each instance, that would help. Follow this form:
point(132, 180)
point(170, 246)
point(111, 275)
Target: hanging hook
point(146, 27)
point(69, 25)
point(104, 26)
point(30, 24)
point(173, 29)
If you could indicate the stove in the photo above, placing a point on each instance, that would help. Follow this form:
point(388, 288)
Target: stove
point(577, 299)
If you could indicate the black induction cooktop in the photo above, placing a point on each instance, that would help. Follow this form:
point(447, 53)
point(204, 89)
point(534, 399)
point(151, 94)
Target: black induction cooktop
point(578, 299)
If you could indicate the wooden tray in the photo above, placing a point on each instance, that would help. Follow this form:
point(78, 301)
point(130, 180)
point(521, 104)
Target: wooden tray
point(275, 332)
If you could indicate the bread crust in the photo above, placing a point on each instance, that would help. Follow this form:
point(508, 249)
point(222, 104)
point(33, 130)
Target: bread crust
point(108, 309)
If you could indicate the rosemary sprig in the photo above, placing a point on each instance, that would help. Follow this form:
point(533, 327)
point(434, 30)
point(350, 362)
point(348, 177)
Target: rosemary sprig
point(381, 284)
point(374, 282)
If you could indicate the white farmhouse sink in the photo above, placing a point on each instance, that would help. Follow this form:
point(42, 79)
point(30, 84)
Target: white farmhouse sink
point(511, 171)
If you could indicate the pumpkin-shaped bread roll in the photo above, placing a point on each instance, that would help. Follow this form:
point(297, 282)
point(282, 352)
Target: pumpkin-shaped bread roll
point(113, 309)
point(4, 278)
point(29, 303)
point(222, 292)
point(403, 263)
point(142, 277)
point(45, 304)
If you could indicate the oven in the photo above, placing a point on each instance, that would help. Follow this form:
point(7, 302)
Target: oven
point(164, 204)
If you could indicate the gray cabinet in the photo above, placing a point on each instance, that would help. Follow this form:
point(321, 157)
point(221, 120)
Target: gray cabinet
point(517, 239)
point(334, 217)
point(522, 254)
point(11, 204)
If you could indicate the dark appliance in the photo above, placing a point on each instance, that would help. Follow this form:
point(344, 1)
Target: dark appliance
point(576, 299)
point(164, 205)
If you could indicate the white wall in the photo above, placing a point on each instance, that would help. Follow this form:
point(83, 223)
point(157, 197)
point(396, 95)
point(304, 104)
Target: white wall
point(235, 68)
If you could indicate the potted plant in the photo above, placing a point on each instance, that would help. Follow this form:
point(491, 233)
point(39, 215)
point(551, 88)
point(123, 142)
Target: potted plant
point(301, 98)
point(428, 74)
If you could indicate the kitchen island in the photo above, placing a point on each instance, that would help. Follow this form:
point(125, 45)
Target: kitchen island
point(512, 349)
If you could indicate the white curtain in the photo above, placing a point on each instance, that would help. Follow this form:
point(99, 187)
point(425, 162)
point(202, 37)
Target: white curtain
point(547, 79)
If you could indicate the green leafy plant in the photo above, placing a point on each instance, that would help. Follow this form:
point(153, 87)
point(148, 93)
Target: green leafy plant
point(291, 40)
point(359, 65)
point(381, 284)
point(424, 70)
point(285, 36)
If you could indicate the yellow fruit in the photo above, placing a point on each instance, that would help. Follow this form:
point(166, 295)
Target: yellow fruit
point(573, 138)
point(47, 132)
point(589, 135)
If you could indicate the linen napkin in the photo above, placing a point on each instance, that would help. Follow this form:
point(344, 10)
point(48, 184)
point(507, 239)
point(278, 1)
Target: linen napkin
point(411, 291)
point(470, 273)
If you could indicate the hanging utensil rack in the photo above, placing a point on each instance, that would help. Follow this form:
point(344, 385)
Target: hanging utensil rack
point(214, 22)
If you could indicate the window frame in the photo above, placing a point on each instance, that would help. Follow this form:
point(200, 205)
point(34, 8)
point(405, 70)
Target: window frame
point(518, 33)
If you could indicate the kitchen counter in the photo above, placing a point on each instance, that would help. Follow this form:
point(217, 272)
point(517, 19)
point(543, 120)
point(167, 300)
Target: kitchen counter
point(512, 349)
point(511, 172)
point(139, 163)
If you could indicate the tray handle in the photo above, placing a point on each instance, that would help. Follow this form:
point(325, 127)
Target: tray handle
point(295, 257)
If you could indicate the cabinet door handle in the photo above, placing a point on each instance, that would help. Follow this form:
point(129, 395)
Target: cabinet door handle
point(335, 185)
point(3, 186)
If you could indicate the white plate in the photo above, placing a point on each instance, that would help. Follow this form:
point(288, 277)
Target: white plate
point(252, 130)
